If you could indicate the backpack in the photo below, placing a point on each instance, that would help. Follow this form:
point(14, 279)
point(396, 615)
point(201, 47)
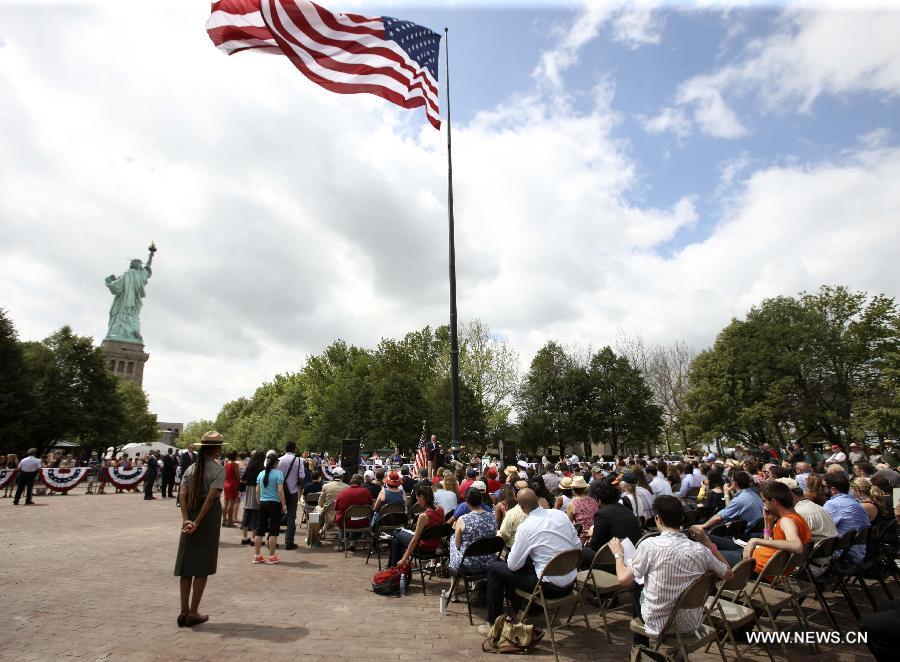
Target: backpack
point(387, 582)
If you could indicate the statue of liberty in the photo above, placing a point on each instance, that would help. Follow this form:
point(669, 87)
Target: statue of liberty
point(128, 290)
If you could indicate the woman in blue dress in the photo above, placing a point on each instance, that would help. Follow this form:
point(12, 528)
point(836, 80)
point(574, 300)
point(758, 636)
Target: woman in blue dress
point(477, 523)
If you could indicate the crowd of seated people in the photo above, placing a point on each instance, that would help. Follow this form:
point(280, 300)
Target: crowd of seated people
point(775, 503)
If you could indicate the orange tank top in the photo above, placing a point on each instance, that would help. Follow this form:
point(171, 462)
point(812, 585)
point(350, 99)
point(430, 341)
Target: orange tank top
point(762, 554)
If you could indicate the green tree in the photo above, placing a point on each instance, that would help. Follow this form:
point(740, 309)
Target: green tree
point(137, 424)
point(546, 400)
point(618, 405)
point(15, 391)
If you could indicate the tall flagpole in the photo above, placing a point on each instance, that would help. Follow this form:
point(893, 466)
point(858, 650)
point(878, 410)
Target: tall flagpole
point(454, 339)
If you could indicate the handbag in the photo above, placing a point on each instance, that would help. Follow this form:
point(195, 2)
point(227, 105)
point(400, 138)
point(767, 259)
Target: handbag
point(507, 636)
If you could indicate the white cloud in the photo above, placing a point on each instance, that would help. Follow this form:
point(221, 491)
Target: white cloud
point(669, 119)
point(288, 217)
point(639, 23)
point(811, 53)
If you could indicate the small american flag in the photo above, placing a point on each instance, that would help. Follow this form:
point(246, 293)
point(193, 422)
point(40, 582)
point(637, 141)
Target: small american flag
point(421, 459)
point(345, 53)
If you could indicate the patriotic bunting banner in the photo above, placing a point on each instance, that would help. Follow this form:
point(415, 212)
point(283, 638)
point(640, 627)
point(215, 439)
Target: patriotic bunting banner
point(124, 479)
point(63, 480)
point(6, 477)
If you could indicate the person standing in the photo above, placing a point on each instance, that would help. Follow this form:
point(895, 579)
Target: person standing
point(431, 449)
point(232, 481)
point(272, 503)
point(168, 474)
point(201, 512)
point(28, 469)
point(292, 468)
point(150, 477)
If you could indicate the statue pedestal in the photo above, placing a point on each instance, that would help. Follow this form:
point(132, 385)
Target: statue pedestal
point(126, 359)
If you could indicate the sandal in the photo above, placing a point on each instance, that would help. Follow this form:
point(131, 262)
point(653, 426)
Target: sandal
point(191, 621)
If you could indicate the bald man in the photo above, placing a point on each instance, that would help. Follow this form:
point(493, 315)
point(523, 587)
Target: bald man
point(543, 535)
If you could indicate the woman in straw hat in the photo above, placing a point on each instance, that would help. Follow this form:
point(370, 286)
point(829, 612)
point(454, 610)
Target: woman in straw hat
point(201, 511)
point(581, 507)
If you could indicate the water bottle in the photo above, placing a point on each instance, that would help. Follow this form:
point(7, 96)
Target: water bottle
point(445, 598)
point(403, 584)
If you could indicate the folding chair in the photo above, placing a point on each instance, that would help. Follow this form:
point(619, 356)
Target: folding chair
point(877, 543)
point(440, 532)
point(326, 519)
point(310, 502)
point(651, 534)
point(358, 512)
point(389, 508)
point(604, 585)
point(487, 546)
point(844, 568)
point(414, 511)
point(731, 614)
point(383, 532)
point(693, 597)
point(806, 581)
point(761, 594)
point(561, 564)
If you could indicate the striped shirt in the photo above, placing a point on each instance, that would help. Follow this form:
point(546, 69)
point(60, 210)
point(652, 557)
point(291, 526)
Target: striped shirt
point(668, 564)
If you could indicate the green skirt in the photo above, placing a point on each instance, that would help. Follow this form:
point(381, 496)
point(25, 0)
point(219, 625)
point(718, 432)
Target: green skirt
point(198, 552)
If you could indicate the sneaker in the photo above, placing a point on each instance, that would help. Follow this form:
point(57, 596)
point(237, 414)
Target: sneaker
point(273, 560)
point(247, 541)
point(291, 545)
point(259, 559)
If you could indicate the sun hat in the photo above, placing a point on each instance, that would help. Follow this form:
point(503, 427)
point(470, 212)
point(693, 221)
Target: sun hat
point(511, 471)
point(579, 483)
point(566, 482)
point(521, 484)
point(212, 438)
point(790, 482)
point(393, 479)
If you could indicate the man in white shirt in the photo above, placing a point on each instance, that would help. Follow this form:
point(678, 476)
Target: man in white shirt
point(837, 456)
point(28, 468)
point(542, 535)
point(658, 484)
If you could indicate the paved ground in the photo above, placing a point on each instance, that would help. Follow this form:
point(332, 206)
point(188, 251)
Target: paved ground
point(90, 577)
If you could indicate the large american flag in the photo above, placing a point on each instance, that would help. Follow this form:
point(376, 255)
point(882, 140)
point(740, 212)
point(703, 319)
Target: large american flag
point(421, 459)
point(346, 53)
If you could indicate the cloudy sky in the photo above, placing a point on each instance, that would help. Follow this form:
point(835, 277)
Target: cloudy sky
point(649, 167)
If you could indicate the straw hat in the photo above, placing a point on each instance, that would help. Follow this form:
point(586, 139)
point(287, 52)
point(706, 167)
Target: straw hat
point(578, 483)
point(511, 471)
point(212, 438)
point(566, 482)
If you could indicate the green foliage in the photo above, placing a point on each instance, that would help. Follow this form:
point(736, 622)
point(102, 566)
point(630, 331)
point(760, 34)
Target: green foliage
point(566, 404)
point(61, 388)
point(381, 395)
point(817, 367)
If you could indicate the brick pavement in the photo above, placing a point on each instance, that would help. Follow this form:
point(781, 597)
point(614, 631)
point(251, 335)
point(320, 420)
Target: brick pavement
point(107, 563)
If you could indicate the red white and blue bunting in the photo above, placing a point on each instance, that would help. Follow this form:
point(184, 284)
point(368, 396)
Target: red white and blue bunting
point(125, 479)
point(63, 480)
point(6, 477)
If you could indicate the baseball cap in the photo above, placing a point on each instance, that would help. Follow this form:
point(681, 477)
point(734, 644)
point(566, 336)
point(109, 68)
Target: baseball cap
point(369, 474)
point(479, 485)
point(471, 473)
point(337, 471)
point(630, 477)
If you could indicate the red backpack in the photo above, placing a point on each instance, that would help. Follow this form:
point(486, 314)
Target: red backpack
point(387, 582)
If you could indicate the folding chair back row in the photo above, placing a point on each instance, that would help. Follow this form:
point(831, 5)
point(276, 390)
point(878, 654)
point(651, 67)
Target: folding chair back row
point(693, 597)
point(486, 546)
point(561, 564)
